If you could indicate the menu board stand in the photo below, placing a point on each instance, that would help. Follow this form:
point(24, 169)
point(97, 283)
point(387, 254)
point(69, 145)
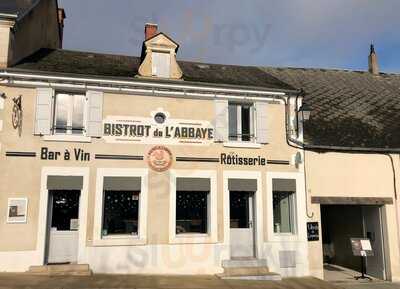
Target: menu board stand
point(362, 247)
point(363, 268)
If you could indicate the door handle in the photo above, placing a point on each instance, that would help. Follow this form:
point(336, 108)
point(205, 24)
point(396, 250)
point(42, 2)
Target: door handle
point(250, 224)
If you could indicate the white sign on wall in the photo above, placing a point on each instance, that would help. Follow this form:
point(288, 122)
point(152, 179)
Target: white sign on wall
point(157, 129)
point(17, 210)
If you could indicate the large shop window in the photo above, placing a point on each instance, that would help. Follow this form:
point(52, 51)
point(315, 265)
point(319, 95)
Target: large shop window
point(241, 122)
point(121, 206)
point(192, 205)
point(69, 114)
point(284, 208)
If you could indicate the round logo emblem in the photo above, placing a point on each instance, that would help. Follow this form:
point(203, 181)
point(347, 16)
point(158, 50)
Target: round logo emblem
point(159, 158)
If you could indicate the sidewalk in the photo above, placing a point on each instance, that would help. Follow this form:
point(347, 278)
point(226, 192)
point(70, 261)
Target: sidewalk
point(24, 281)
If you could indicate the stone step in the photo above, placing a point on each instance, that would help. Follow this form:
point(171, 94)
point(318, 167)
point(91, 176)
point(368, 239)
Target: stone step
point(243, 271)
point(67, 269)
point(247, 269)
point(263, 277)
point(232, 263)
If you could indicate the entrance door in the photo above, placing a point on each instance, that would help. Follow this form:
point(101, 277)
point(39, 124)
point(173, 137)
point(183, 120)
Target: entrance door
point(63, 226)
point(373, 231)
point(242, 224)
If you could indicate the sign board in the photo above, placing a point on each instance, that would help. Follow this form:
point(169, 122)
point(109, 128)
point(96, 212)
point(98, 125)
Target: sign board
point(17, 210)
point(312, 231)
point(157, 129)
point(159, 158)
point(361, 247)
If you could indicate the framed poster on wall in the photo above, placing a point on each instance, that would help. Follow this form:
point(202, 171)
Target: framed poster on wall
point(17, 210)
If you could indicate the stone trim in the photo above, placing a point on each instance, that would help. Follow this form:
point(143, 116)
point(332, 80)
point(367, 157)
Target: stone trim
point(351, 201)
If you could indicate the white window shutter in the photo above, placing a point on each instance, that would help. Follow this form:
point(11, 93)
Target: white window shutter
point(261, 122)
point(43, 119)
point(221, 124)
point(94, 124)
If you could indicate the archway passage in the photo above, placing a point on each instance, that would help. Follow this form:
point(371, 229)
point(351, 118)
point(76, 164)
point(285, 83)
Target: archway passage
point(339, 224)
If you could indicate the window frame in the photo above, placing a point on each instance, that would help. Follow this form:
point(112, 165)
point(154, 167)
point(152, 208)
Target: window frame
point(121, 239)
point(208, 200)
point(70, 114)
point(110, 236)
point(300, 219)
point(154, 68)
point(292, 213)
point(239, 130)
point(190, 238)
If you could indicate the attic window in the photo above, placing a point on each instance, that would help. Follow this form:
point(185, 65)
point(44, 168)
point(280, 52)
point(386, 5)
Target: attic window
point(161, 64)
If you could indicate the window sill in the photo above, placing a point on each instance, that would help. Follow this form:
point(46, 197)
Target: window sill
point(192, 239)
point(242, 145)
point(67, 138)
point(119, 240)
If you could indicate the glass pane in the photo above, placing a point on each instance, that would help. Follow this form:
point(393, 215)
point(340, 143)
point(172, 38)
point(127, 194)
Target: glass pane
point(283, 212)
point(239, 209)
point(233, 122)
point(62, 107)
point(121, 213)
point(77, 115)
point(246, 123)
point(191, 212)
point(65, 210)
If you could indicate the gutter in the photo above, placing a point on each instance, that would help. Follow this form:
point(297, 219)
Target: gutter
point(8, 16)
point(129, 85)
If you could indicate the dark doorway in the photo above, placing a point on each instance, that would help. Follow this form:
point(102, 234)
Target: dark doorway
point(65, 207)
point(340, 223)
point(63, 226)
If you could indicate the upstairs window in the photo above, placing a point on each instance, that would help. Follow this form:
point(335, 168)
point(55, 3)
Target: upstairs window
point(69, 114)
point(241, 122)
point(161, 63)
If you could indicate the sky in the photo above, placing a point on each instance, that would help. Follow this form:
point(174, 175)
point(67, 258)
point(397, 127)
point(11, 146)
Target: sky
point(287, 33)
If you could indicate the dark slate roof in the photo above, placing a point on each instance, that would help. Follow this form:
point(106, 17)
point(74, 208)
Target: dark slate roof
point(95, 64)
point(349, 108)
point(16, 7)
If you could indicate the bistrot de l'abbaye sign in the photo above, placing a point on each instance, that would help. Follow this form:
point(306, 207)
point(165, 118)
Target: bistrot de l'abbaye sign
point(159, 128)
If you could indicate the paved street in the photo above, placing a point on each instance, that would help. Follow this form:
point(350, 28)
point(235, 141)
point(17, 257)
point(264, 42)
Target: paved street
point(25, 281)
point(368, 285)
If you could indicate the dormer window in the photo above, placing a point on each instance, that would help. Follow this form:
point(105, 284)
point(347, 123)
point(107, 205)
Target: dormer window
point(161, 64)
point(159, 55)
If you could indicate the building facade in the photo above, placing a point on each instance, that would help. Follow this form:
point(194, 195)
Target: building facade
point(152, 165)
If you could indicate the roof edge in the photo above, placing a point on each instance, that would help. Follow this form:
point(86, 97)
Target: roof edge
point(144, 80)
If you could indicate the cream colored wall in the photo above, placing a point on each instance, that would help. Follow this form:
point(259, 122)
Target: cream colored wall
point(4, 43)
point(21, 176)
point(352, 175)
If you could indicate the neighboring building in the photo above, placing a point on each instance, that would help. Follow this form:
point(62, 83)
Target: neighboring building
point(152, 165)
point(352, 164)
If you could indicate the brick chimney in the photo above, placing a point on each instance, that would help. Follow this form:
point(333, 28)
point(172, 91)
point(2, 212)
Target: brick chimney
point(150, 30)
point(373, 61)
point(61, 16)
